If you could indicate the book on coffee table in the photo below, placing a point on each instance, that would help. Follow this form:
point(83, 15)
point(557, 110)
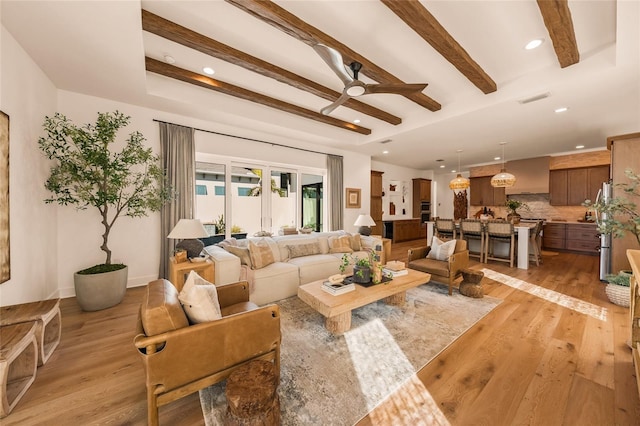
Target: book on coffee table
point(337, 289)
point(394, 273)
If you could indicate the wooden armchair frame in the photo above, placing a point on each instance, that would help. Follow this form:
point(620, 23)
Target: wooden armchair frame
point(183, 361)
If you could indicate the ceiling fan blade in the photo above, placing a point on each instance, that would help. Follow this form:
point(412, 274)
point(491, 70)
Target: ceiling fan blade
point(329, 109)
point(400, 89)
point(333, 58)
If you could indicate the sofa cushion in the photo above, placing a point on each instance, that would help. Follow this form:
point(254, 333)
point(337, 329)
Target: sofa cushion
point(300, 250)
point(261, 254)
point(441, 250)
point(430, 266)
point(316, 267)
point(274, 282)
point(199, 299)
point(161, 310)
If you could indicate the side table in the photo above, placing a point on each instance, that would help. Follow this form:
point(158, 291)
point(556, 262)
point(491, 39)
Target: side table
point(179, 271)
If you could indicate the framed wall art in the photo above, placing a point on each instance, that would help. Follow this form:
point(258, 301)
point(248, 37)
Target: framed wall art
point(5, 260)
point(353, 198)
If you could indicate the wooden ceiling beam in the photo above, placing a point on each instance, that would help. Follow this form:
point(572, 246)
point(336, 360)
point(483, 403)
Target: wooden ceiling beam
point(171, 71)
point(557, 19)
point(186, 37)
point(418, 18)
point(290, 24)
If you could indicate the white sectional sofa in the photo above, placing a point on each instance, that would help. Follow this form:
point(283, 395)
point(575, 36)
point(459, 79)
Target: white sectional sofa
point(297, 259)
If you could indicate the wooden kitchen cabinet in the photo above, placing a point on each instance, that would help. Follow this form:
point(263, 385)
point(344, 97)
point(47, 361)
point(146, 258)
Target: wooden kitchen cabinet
point(576, 237)
point(583, 238)
point(571, 187)
point(554, 235)
point(483, 194)
point(375, 208)
point(403, 230)
point(421, 192)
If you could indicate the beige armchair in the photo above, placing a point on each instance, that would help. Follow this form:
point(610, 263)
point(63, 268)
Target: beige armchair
point(180, 358)
point(440, 270)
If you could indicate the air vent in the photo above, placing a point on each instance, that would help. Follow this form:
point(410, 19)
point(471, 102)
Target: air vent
point(535, 98)
point(385, 141)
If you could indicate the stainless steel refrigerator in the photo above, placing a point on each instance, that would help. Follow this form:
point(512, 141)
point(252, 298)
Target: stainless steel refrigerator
point(604, 195)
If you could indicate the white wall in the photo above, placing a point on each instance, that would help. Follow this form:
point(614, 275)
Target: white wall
point(402, 176)
point(27, 96)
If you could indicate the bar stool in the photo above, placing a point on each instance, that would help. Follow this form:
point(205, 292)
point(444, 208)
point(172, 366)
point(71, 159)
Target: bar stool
point(501, 232)
point(445, 228)
point(473, 229)
point(534, 243)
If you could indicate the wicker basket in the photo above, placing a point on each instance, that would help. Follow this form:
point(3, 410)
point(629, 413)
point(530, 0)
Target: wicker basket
point(618, 294)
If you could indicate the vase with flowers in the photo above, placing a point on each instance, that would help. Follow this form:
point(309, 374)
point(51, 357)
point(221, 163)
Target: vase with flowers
point(512, 206)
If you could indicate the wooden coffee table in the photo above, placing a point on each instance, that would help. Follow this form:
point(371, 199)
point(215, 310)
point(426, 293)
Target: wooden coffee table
point(337, 309)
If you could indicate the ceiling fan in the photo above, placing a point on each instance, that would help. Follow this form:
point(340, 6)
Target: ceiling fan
point(354, 87)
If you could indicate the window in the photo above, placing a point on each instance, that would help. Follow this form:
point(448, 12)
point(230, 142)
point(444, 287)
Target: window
point(201, 189)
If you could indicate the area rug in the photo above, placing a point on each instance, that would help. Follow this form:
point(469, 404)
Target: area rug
point(335, 380)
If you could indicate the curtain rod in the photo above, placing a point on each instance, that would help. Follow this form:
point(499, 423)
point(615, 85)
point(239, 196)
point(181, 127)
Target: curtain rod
point(248, 139)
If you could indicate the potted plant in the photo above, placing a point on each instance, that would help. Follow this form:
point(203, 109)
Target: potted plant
point(621, 217)
point(363, 267)
point(512, 206)
point(86, 174)
point(618, 288)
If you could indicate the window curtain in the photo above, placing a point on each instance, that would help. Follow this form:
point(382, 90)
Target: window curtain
point(178, 155)
point(335, 176)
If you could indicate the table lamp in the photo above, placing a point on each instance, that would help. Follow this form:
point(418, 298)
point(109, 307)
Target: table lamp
point(189, 230)
point(365, 222)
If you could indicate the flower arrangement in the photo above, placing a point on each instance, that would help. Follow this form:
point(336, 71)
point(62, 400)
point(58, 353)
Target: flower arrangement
point(362, 266)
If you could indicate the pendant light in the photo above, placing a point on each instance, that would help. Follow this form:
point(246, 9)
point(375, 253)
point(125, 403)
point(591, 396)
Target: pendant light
point(459, 183)
point(503, 179)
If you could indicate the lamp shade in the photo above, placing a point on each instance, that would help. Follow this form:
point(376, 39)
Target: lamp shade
point(188, 228)
point(364, 220)
point(459, 183)
point(503, 179)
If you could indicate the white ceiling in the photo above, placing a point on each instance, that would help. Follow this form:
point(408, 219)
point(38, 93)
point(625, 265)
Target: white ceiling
point(98, 48)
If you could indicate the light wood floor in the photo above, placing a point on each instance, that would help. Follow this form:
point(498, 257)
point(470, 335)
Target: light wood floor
point(529, 362)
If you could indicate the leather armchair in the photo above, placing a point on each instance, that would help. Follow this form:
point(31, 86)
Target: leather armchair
point(442, 271)
point(180, 358)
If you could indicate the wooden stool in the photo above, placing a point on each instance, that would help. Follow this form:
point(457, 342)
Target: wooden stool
point(18, 363)
point(471, 284)
point(252, 397)
point(46, 315)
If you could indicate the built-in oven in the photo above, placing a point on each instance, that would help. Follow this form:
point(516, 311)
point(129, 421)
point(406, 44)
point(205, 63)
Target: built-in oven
point(425, 211)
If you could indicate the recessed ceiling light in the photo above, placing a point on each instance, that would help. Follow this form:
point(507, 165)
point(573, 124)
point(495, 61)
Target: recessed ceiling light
point(496, 158)
point(579, 146)
point(561, 109)
point(208, 70)
point(169, 59)
point(453, 171)
point(534, 43)
point(385, 152)
point(442, 166)
point(356, 121)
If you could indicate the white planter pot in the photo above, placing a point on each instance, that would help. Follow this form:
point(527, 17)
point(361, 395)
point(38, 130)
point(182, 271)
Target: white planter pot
point(100, 291)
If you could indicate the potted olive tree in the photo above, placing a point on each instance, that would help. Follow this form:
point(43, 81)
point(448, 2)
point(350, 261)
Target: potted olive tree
point(87, 174)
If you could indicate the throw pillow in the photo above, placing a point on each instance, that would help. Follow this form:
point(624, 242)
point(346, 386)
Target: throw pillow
point(261, 254)
point(341, 244)
point(356, 244)
point(199, 299)
point(441, 250)
point(242, 253)
point(300, 250)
